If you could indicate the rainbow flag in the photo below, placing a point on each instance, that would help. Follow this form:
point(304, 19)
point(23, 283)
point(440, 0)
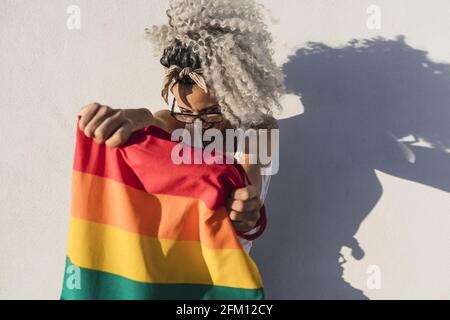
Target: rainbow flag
point(142, 227)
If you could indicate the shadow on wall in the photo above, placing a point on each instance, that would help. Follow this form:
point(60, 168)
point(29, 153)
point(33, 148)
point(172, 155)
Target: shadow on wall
point(372, 104)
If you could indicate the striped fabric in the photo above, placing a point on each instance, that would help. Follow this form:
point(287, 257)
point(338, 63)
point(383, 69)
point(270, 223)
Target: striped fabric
point(142, 227)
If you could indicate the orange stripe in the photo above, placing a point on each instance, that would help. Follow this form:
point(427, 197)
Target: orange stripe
point(170, 217)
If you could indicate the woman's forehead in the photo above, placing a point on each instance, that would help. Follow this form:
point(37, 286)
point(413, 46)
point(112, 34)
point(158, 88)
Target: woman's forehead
point(193, 97)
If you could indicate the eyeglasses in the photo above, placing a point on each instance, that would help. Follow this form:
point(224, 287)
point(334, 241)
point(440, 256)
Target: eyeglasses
point(209, 118)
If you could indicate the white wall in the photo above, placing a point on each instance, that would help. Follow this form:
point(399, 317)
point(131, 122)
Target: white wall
point(346, 184)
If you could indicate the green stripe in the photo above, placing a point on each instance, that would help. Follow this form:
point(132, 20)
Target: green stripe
point(98, 285)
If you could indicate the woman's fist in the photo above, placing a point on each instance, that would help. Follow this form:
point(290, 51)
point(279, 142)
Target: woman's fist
point(244, 206)
point(112, 126)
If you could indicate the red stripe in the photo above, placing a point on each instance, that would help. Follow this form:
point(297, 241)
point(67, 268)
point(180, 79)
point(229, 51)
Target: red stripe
point(129, 164)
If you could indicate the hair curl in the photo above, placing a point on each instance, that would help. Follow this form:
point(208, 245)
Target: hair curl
point(230, 41)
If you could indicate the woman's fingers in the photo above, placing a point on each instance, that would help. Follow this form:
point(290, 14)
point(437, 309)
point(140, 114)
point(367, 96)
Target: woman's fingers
point(101, 115)
point(109, 126)
point(244, 205)
point(87, 113)
point(244, 221)
point(105, 124)
point(245, 193)
point(120, 136)
point(250, 216)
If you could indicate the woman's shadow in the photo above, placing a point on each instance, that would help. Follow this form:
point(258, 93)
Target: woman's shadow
point(360, 100)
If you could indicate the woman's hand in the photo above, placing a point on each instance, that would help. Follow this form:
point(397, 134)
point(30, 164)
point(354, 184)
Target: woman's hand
point(243, 207)
point(112, 126)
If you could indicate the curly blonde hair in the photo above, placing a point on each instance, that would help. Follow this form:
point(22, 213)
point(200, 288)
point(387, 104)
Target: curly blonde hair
point(230, 41)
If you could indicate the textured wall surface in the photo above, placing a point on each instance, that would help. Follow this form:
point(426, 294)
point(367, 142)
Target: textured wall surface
point(360, 206)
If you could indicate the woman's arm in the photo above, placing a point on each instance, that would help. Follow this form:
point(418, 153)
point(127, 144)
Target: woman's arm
point(245, 203)
point(114, 126)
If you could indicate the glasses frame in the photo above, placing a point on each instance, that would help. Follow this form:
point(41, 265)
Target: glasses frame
point(173, 113)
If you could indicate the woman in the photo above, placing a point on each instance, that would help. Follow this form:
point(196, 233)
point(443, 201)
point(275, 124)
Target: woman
point(219, 68)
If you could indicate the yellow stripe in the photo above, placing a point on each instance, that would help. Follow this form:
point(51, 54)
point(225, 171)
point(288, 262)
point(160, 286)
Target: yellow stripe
point(147, 259)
